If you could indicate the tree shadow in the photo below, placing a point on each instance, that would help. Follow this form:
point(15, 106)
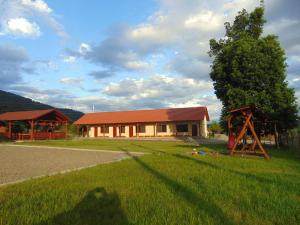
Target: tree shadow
point(239, 173)
point(187, 194)
point(146, 148)
point(97, 207)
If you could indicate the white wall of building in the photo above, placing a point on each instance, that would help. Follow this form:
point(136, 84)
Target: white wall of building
point(151, 130)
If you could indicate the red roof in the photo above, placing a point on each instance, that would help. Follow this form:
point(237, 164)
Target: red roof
point(144, 116)
point(30, 115)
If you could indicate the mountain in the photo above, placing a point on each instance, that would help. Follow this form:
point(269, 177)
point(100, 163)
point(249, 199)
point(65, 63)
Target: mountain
point(10, 102)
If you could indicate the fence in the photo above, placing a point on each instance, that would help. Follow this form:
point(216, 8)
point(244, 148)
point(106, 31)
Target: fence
point(37, 135)
point(290, 139)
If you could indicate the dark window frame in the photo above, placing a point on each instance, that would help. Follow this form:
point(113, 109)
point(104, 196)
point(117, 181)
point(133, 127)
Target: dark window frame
point(182, 128)
point(122, 129)
point(162, 128)
point(143, 130)
point(104, 130)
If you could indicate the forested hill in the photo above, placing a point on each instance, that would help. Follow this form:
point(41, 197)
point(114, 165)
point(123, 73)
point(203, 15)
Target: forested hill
point(10, 102)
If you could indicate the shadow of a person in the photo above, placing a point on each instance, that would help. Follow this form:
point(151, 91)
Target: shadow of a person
point(97, 207)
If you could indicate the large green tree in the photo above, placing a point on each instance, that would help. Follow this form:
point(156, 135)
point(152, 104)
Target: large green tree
point(250, 69)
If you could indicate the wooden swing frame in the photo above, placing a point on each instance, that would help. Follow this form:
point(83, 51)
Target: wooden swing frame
point(244, 149)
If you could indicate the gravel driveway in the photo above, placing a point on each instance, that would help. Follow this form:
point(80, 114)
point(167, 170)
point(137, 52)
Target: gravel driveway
point(18, 163)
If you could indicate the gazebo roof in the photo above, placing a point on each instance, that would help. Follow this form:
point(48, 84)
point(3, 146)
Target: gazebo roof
point(32, 115)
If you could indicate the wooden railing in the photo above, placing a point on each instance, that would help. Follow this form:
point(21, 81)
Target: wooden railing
point(37, 135)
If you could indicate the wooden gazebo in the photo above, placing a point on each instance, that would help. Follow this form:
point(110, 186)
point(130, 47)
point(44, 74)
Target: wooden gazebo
point(41, 124)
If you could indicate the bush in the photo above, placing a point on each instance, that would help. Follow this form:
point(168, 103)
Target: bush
point(215, 127)
point(2, 138)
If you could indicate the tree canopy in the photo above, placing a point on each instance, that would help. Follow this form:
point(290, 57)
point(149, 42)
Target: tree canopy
point(250, 69)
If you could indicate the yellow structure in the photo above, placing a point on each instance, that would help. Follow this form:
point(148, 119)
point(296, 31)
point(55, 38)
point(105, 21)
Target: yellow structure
point(145, 123)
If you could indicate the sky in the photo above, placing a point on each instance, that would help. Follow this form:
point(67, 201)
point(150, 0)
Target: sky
point(129, 54)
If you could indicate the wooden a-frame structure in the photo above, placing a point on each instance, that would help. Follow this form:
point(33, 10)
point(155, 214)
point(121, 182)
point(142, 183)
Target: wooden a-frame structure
point(238, 144)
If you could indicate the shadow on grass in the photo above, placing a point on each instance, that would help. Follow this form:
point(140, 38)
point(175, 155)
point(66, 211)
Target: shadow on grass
point(97, 207)
point(146, 148)
point(185, 193)
point(263, 180)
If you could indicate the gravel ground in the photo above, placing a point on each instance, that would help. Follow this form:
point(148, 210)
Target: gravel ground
point(18, 163)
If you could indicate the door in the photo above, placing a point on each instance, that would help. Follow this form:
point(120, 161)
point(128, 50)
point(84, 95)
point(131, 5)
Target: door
point(95, 131)
point(194, 130)
point(131, 131)
point(84, 131)
point(115, 132)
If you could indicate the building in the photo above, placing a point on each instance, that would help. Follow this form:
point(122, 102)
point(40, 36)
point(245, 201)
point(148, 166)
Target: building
point(145, 123)
point(34, 125)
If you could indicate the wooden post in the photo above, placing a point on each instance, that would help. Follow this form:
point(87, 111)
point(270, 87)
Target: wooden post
point(31, 129)
point(137, 130)
point(276, 136)
point(258, 142)
point(77, 130)
point(241, 134)
point(66, 129)
point(9, 129)
point(87, 131)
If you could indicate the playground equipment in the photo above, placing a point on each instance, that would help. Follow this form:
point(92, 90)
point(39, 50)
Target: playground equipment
point(241, 128)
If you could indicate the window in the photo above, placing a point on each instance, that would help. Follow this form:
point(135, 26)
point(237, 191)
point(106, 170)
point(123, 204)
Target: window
point(122, 129)
point(182, 128)
point(141, 128)
point(162, 128)
point(105, 130)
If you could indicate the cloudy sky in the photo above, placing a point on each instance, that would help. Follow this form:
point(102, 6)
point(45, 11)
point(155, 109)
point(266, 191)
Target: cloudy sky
point(128, 54)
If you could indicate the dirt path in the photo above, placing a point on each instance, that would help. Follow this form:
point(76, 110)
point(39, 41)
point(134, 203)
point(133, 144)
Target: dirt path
point(18, 163)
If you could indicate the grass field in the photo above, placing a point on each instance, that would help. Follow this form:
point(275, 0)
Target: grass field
point(168, 186)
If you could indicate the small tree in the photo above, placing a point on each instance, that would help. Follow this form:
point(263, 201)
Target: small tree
point(215, 127)
point(249, 69)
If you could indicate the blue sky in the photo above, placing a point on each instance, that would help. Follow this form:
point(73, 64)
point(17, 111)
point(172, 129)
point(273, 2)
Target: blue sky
point(121, 55)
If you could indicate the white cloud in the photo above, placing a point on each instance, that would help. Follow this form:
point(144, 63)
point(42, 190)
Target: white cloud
point(70, 80)
point(13, 61)
point(70, 59)
point(149, 98)
point(159, 87)
point(22, 27)
point(60, 98)
point(137, 65)
point(190, 67)
point(146, 31)
point(84, 48)
point(38, 11)
point(233, 6)
point(295, 58)
point(38, 5)
point(206, 20)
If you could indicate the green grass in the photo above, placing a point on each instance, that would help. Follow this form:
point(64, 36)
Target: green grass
point(168, 186)
point(118, 145)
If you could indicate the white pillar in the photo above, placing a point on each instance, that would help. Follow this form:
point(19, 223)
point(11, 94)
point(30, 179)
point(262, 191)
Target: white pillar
point(203, 127)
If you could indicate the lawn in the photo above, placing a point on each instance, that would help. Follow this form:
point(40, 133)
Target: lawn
point(167, 186)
